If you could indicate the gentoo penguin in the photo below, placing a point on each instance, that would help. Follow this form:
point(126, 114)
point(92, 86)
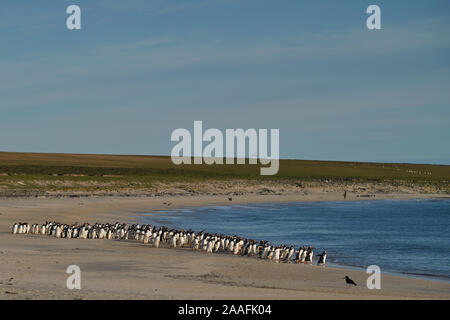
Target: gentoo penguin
point(210, 246)
point(290, 254)
point(231, 246)
point(173, 241)
point(15, 228)
point(322, 259)
point(276, 255)
point(303, 256)
point(309, 255)
point(217, 246)
point(349, 281)
point(146, 237)
point(156, 241)
point(237, 247)
point(182, 240)
point(271, 252)
point(58, 232)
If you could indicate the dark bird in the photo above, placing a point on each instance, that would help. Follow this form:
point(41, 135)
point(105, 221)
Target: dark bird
point(349, 281)
point(230, 198)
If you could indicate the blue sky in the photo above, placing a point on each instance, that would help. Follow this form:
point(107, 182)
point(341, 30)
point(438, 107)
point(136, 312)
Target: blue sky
point(139, 69)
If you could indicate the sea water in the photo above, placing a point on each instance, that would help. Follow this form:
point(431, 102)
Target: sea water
point(406, 236)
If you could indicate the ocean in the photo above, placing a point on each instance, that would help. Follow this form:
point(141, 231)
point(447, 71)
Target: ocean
point(400, 236)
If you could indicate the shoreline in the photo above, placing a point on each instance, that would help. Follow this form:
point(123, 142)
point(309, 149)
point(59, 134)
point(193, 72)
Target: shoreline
point(131, 270)
point(438, 278)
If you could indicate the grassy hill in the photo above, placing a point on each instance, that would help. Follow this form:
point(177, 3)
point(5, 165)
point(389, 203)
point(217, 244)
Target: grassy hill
point(42, 170)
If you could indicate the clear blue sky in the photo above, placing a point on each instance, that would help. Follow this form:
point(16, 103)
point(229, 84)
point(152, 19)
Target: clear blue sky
point(139, 69)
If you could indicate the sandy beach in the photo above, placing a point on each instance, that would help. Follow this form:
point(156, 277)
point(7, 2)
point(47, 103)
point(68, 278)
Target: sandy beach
point(34, 266)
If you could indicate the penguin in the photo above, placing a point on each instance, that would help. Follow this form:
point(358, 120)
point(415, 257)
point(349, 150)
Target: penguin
point(303, 255)
point(309, 255)
point(290, 254)
point(196, 244)
point(210, 246)
point(322, 259)
point(271, 253)
point(231, 246)
point(15, 228)
point(173, 241)
point(146, 237)
point(58, 232)
point(217, 246)
point(156, 241)
point(276, 255)
point(238, 246)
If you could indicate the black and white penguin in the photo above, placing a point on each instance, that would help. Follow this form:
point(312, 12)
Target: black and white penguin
point(309, 255)
point(322, 259)
point(15, 228)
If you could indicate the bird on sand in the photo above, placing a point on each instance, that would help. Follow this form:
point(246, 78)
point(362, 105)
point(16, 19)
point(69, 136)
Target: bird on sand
point(349, 281)
point(230, 198)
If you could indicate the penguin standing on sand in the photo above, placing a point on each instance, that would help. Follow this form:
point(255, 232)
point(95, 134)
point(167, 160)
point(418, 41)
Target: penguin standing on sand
point(309, 255)
point(303, 255)
point(276, 255)
point(210, 246)
point(290, 254)
point(156, 241)
point(196, 243)
point(322, 259)
point(15, 228)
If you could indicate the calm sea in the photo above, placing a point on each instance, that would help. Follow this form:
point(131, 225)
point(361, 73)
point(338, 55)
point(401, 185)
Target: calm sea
point(410, 236)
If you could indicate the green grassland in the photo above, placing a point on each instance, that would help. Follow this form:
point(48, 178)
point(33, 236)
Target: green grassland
point(60, 171)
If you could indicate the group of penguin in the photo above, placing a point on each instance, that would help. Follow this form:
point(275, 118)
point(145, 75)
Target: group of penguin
point(155, 236)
